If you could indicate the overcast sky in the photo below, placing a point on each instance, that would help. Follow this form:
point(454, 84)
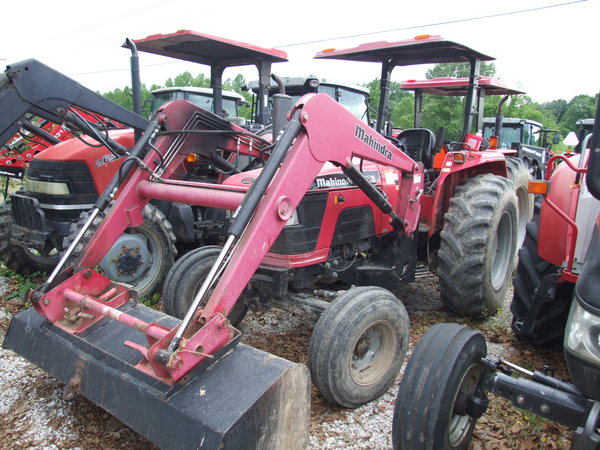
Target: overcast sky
point(550, 51)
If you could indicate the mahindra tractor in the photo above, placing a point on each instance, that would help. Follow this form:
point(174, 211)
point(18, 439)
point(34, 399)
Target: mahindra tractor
point(445, 385)
point(63, 182)
point(333, 221)
point(515, 165)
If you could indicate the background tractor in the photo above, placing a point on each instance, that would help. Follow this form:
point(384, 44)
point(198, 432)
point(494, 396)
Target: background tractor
point(459, 87)
point(444, 388)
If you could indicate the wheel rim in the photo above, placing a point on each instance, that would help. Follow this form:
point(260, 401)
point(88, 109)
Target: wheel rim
point(503, 254)
point(372, 353)
point(460, 422)
point(133, 259)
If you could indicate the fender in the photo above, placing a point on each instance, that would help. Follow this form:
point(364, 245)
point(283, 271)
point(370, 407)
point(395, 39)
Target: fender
point(453, 174)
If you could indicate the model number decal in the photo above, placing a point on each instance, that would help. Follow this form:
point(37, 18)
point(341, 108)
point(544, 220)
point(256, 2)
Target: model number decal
point(109, 157)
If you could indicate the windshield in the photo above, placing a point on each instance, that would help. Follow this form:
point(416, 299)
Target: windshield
point(355, 102)
point(509, 134)
point(204, 101)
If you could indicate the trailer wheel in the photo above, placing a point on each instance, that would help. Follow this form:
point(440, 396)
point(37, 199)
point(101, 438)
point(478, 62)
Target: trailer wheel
point(520, 177)
point(141, 256)
point(358, 346)
point(185, 279)
point(478, 245)
point(540, 305)
point(18, 258)
point(432, 408)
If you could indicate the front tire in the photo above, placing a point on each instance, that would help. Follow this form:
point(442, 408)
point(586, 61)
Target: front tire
point(432, 407)
point(358, 346)
point(185, 279)
point(22, 260)
point(540, 305)
point(478, 245)
point(141, 256)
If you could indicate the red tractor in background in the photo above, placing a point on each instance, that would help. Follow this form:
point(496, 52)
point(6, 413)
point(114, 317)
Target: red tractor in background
point(62, 183)
point(331, 221)
point(458, 87)
point(445, 385)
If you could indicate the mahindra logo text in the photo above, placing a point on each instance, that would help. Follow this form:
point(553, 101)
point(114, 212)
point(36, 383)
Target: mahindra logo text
point(372, 142)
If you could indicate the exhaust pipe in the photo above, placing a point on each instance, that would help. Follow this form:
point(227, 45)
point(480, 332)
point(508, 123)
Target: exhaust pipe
point(136, 84)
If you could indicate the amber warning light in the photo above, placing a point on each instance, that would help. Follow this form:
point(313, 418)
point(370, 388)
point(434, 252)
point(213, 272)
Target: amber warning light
point(539, 187)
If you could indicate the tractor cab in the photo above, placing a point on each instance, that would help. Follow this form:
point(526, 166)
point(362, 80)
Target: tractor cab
point(355, 98)
point(199, 96)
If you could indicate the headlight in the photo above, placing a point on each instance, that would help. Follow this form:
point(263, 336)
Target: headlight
point(582, 335)
point(46, 187)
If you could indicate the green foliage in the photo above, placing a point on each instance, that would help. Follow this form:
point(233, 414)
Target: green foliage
point(458, 70)
point(22, 285)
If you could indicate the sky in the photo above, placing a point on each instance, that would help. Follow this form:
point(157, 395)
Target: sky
point(547, 48)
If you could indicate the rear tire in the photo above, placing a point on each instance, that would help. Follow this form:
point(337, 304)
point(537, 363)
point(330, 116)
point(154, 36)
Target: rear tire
point(478, 245)
point(520, 177)
point(22, 260)
point(141, 256)
point(358, 346)
point(185, 279)
point(540, 305)
point(431, 408)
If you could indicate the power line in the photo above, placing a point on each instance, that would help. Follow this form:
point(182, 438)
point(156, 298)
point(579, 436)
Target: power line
point(119, 17)
point(470, 19)
point(449, 22)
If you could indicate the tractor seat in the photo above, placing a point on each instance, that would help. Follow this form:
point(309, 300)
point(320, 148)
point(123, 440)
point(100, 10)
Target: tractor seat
point(418, 143)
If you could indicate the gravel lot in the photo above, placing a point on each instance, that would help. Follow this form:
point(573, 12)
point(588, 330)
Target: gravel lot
point(33, 414)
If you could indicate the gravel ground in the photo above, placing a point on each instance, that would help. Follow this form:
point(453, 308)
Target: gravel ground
point(33, 414)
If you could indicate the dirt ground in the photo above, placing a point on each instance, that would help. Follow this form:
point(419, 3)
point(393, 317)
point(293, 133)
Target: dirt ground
point(33, 414)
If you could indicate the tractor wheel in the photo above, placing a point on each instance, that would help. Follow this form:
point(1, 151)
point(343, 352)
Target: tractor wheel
point(478, 245)
point(540, 305)
point(520, 176)
point(358, 346)
point(18, 258)
point(185, 279)
point(432, 408)
point(141, 256)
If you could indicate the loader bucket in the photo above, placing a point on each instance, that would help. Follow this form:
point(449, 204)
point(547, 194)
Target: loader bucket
point(245, 399)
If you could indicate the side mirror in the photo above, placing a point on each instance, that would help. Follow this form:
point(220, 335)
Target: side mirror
point(556, 139)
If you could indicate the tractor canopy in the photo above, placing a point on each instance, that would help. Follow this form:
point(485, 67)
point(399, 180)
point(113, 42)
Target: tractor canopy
point(425, 49)
point(218, 53)
point(456, 87)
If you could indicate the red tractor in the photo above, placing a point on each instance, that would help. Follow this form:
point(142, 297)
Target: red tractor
point(62, 183)
point(444, 387)
point(458, 87)
point(334, 222)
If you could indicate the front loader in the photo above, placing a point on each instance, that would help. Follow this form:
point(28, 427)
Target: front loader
point(157, 379)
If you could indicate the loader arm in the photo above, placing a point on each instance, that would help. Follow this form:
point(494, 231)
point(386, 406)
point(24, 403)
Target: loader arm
point(32, 87)
point(296, 159)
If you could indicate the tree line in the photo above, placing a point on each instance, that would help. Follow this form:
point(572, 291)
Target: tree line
point(560, 114)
